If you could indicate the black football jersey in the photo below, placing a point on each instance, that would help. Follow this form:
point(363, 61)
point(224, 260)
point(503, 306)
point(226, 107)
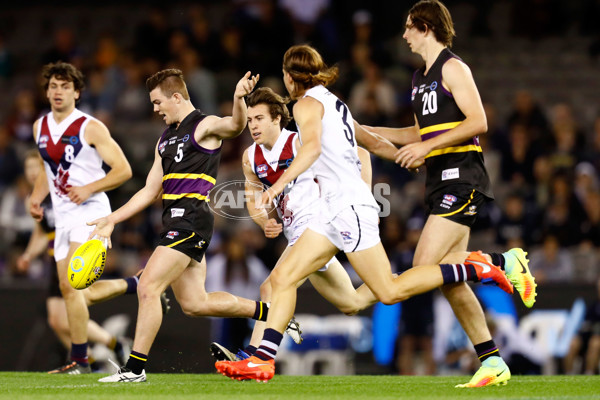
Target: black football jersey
point(437, 112)
point(189, 173)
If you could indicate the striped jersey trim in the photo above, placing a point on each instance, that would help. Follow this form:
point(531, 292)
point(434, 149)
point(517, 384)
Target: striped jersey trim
point(439, 127)
point(175, 244)
point(455, 149)
point(190, 176)
point(182, 195)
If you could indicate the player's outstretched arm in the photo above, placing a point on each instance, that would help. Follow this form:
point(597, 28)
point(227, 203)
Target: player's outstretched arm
point(398, 136)
point(374, 143)
point(230, 127)
point(142, 199)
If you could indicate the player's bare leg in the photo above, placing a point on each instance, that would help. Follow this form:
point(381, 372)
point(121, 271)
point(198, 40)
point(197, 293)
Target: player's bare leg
point(103, 290)
point(195, 301)
point(78, 317)
point(335, 286)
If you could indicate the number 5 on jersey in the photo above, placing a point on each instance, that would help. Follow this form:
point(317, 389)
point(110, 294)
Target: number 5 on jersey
point(179, 155)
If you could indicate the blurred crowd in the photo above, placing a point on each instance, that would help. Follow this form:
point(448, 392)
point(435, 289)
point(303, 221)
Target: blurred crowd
point(542, 154)
point(544, 159)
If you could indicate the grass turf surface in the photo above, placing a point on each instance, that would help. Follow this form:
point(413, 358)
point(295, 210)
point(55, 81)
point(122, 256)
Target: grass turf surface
point(28, 385)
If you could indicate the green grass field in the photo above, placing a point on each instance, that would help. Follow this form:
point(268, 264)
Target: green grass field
point(27, 385)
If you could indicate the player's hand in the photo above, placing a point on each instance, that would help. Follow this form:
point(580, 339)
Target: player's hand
point(36, 210)
point(245, 86)
point(412, 155)
point(267, 198)
point(103, 230)
point(79, 194)
point(23, 262)
point(272, 228)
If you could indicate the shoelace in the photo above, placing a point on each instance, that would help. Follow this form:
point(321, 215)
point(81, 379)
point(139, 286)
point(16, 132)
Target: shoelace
point(115, 365)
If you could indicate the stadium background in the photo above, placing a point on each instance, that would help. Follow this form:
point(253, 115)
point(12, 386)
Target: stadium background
point(535, 63)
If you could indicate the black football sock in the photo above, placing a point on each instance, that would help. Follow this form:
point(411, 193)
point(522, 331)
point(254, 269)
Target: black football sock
point(136, 362)
point(486, 350)
point(261, 311)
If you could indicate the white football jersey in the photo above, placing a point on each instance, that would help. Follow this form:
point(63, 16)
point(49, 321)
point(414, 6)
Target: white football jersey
point(337, 170)
point(299, 197)
point(70, 161)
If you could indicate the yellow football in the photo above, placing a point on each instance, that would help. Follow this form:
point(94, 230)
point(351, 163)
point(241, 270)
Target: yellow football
point(87, 264)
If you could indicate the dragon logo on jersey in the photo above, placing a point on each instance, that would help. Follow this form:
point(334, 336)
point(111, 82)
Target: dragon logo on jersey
point(61, 181)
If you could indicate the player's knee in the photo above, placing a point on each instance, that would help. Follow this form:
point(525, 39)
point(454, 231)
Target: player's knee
point(350, 311)
point(190, 310)
point(389, 297)
point(148, 291)
point(265, 289)
point(349, 308)
point(280, 279)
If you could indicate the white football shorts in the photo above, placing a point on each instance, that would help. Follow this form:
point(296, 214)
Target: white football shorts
point(355, 228)
point(74, 228)
point(292, 233)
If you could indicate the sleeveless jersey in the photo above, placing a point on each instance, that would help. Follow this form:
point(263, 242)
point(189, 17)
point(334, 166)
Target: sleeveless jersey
point(437, 112)
point(189, 172)
point(299, 197)
point(337, 170)
point(69, 161)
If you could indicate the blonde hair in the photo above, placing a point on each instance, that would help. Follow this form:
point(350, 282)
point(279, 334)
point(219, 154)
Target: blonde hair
point(307, 68)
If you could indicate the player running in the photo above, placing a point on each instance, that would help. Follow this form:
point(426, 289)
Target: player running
point(263, 163)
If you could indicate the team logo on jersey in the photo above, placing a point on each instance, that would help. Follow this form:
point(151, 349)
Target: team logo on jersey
point(346, 235)
point(471, 211)
point(200, 244)
point(262, 170)
point(414, 93)
point(172, 234)
point(433, 85)
point(177, 212)
point(161, 147)
point(448, 201)
point(43, 142)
